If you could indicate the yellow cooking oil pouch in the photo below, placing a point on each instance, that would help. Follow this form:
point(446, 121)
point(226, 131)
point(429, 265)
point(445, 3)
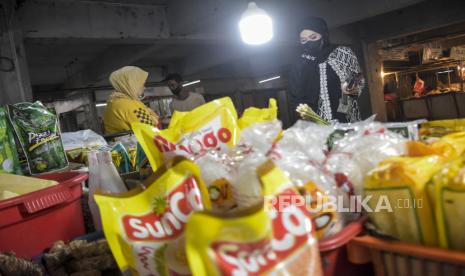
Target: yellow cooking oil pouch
point(457, 141)
point(276, 238)
point(292, 223)
point(450, 147)
point(450, 204)
point(229, 243)
point(145, 227)
point(253, 115)
point(210, 126)
point(176, 118)
point(437, 129)
point(398, 201)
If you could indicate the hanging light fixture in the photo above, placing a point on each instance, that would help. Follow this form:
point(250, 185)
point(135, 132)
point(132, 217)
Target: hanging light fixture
point(256, 26)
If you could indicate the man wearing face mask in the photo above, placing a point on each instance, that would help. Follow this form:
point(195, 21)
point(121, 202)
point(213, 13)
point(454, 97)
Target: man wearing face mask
point(184, 100)
point(327, 77)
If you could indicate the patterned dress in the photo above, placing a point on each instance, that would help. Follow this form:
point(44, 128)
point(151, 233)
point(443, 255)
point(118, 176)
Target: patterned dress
point(317, 82)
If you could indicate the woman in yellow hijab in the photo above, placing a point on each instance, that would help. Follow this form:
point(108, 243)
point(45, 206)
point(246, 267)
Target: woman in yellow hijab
point(124, 105)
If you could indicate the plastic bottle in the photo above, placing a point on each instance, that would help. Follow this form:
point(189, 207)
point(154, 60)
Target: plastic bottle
point(94, 185)
point(110, 181)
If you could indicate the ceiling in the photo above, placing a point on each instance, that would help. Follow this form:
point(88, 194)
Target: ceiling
point(72, 44)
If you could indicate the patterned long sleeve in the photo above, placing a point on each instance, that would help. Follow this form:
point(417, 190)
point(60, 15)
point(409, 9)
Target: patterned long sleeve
point(345, 63)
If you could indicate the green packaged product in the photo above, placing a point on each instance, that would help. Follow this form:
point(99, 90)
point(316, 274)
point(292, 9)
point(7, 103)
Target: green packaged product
point(38, 132)
point(9, 162)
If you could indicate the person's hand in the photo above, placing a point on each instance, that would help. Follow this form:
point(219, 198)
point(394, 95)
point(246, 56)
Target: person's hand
point(351, 92)
point(353, 86)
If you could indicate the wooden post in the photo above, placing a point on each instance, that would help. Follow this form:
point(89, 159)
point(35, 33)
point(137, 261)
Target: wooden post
point(373, 65)
point(15, 85)
point(461, 76)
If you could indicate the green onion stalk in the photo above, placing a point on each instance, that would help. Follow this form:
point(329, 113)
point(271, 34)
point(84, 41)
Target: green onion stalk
point(307, 114)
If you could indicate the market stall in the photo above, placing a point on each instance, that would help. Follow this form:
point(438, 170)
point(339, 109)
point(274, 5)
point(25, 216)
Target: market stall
point(317, 146)
point(423, 75)
point(229, 194)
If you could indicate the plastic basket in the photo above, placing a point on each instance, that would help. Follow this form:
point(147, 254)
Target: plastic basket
point(31, 223)
point(334, 255)
point(393, 258)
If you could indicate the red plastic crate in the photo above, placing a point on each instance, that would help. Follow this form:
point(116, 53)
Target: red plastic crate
point(30, 223)
point(333, 252)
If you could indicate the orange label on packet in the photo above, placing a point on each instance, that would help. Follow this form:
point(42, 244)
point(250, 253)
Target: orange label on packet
point(145, 229)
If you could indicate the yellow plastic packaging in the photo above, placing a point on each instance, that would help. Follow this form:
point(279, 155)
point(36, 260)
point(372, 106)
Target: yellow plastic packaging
point(292, 223)
point(208, 248)
point(253, 115)
point(145, 228)
point(450, 146)
point(457, 140)
point(400, 183)
point(12, 185)
point(327, 220)
point(278, 239)
point(210, 126)
point(450, 208)
point(176, 118)
point(437, 129)
point(214, 125)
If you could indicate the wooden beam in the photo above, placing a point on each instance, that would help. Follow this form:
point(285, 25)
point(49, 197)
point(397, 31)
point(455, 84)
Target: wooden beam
point(373, 65)
point(95, 20)
point(428, 15)
point(114, 58)
point(15, 85)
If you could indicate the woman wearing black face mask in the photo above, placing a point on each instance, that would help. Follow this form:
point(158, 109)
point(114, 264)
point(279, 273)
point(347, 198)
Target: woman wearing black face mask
point(326, 77)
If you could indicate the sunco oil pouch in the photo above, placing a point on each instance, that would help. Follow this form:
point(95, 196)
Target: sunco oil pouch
point(145, 228)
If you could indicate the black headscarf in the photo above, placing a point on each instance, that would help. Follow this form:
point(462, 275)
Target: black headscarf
point(318, 25)
point(305, 78)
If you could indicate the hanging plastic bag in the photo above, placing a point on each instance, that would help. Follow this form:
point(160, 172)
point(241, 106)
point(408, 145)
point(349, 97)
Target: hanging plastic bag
point(418, 87)
point(145, 228)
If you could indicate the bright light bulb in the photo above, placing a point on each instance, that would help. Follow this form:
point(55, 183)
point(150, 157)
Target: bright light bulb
point(256, 26)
